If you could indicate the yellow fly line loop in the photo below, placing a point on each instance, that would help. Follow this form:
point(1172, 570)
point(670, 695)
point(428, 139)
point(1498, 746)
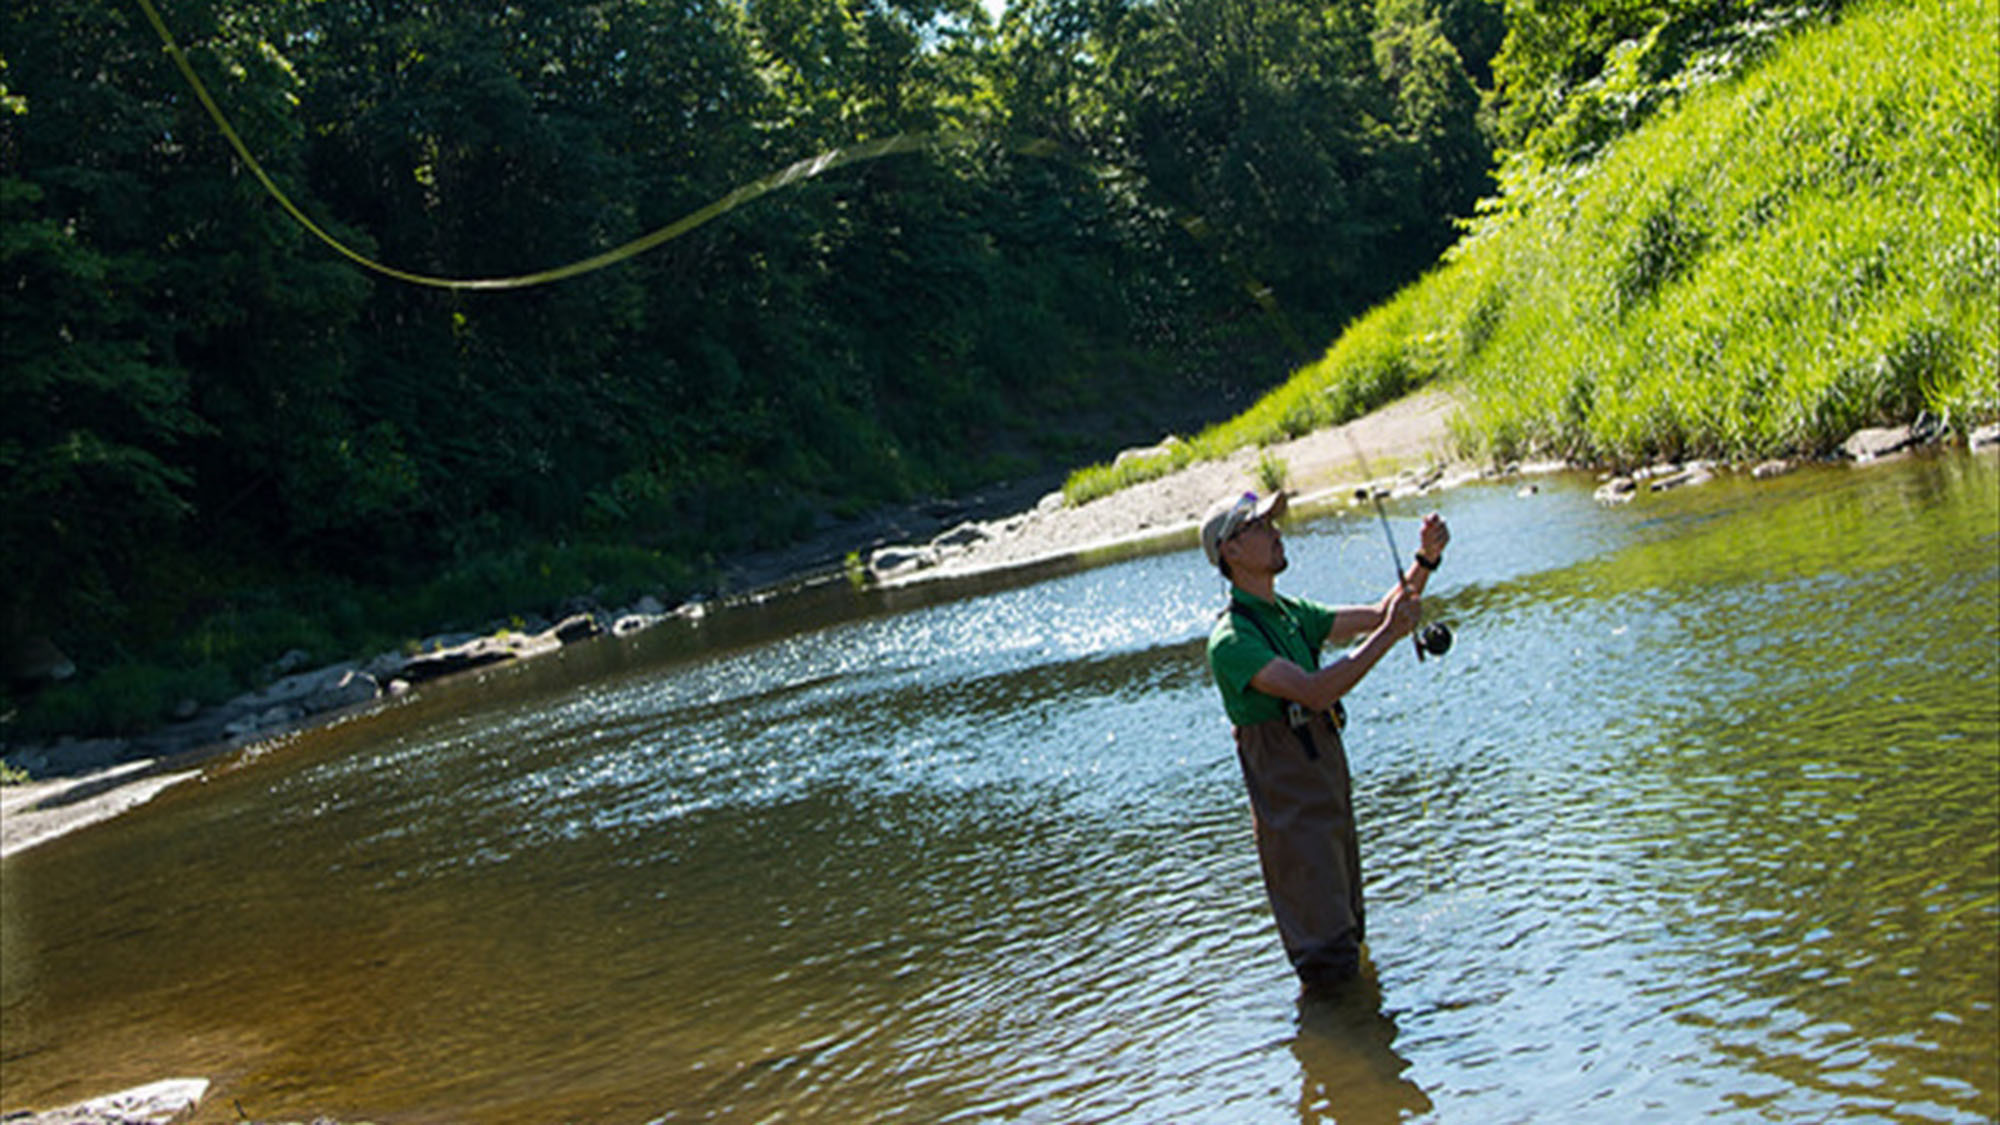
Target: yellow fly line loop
point(795, 173)
point(803, 170)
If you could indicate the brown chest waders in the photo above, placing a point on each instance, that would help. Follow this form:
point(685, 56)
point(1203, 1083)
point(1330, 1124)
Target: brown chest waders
point(1302, 802)
point(1303, 807)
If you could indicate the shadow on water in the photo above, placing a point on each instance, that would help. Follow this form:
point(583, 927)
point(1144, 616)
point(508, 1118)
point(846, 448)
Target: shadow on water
point(1350, 1072)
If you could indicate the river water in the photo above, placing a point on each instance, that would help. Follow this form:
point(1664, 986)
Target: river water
point(1699, 820)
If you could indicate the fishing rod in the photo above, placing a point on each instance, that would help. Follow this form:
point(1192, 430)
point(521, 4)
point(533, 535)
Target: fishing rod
point(1433, 639)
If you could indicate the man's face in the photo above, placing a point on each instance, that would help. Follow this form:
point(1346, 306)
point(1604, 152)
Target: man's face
point(1256, 546)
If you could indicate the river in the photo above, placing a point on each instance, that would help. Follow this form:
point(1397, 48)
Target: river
point(1700, 819)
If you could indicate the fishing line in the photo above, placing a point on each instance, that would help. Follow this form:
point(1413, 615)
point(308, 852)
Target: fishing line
point(792, 174)
point(1196, 227)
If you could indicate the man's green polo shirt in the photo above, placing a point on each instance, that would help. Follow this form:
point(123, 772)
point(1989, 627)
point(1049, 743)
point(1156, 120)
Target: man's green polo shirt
point(1238, 651)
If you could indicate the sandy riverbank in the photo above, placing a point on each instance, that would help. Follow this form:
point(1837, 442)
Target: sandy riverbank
point(1412, 434)
point(35, 812)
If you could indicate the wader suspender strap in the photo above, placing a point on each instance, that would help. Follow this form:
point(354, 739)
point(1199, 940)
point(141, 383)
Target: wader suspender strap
point(1239, 612)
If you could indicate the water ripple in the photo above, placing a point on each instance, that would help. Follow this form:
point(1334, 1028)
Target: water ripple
point(1693, 823)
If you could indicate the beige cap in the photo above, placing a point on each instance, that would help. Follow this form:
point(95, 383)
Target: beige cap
point(1227, 516)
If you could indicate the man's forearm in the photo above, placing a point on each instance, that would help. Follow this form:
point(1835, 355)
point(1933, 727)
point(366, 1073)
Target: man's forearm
point(1338, 678)
point(1416, 578)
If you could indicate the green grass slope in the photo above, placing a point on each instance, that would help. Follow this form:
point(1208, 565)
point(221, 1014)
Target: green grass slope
point(1790, 255)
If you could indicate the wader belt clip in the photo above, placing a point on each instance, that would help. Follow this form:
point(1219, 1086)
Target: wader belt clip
point(1300, 716)
point(1300, 720)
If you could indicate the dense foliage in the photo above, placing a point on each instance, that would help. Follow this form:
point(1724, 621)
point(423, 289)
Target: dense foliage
point(220, 440)
point(1763, 260)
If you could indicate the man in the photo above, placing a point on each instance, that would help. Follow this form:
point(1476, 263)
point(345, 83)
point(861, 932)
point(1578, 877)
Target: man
point(1265, 655)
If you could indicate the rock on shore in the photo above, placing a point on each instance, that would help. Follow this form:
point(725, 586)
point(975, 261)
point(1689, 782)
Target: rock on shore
point(155, 1103)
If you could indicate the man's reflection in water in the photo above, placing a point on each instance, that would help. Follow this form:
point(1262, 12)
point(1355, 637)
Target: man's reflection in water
point(1349, 1071)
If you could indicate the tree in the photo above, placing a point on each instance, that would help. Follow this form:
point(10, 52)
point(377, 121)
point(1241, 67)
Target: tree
point(134, 264)
point(1573, 74)
point(1445, 158)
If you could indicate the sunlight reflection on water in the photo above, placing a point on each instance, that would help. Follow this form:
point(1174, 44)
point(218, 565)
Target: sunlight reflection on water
point(1690, 823)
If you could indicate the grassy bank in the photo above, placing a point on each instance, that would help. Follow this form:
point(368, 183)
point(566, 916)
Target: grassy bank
point(1789, 255)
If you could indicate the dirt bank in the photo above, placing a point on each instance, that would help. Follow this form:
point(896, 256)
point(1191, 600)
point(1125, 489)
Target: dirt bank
point(1411, 435)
